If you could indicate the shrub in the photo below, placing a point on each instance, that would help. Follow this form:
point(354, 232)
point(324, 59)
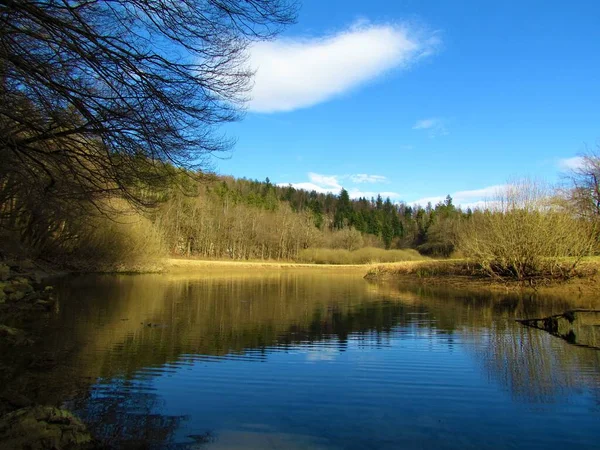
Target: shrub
point(125, 239)
point(523, 235)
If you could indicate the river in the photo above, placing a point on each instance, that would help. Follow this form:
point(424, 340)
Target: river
point(292, 359)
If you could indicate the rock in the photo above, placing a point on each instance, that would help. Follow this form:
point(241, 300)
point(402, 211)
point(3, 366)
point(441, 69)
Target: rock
point(43, 427)
point(579, 326)
point(18, 285)
point(9, 332)
point(2, 296)
point(14, 336)
point(15, 296)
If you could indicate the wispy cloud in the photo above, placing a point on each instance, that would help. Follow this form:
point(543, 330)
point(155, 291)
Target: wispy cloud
point(333, 184)
point(425, 124)
point(434, 126)
point(322, 184)
point(298, 73)
point(474, 198)
point(365, 178)
point(357, 193)
point(330, 181)
point(574, 163)
point(307, 186)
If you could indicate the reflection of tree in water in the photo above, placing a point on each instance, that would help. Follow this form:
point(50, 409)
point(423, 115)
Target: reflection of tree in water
point(540, 367)
point(371, 322)
point(218, 317)
point(534, 365)
point(251, 315)
point(126, 415)
point(210, 317)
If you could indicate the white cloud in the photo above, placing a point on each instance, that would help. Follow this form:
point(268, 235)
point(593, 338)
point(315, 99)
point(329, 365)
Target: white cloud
point(365, 178)
point(327, 181)
point(434, 126)
point(311, 187)
point(356, 193)
point(577, 162)
point(475, 198)
point(331, 184)
point(323, 184)
point(298, 73)
point(425, 124)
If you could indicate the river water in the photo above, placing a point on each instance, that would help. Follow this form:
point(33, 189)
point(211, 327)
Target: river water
point(311, 359)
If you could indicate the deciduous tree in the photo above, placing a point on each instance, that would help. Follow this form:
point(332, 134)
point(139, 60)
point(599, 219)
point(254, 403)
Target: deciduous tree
point(108, 97)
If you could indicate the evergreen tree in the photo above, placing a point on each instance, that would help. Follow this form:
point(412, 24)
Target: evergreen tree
point(387, 234)
point(343, 213)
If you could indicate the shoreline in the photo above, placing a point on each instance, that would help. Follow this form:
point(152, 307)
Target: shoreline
point(184, 264)
point(456, 273)
point(450, 273)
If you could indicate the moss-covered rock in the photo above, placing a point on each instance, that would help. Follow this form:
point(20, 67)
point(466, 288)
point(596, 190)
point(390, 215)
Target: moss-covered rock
point(16, 296)
point(43, 427)
point(17, 288)
point(19, 284)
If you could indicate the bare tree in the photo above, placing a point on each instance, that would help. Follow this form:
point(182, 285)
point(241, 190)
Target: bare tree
point(105, 97)
point(583, 186)
point(101, 84)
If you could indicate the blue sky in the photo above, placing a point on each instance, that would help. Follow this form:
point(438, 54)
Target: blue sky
point(419, 99)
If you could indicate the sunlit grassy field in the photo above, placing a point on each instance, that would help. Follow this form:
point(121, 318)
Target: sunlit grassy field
point(367, 255)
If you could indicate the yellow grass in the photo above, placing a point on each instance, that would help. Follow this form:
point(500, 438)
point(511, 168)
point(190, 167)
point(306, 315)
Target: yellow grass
point(462, 274)
point(180, 265)
point(461, 267)
point(366, 255)
point(422, 269)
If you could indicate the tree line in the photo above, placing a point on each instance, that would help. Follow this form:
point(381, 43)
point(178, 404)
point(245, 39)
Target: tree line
point(247, 219)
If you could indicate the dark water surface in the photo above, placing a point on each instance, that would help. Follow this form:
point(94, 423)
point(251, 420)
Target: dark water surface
point(305, 359)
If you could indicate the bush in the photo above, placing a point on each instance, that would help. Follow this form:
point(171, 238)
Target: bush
point(124, 240)
point(524, 235)
point(130, 242)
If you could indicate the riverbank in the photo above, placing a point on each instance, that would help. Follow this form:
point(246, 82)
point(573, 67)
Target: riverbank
point(181, 265)
point(461, 273)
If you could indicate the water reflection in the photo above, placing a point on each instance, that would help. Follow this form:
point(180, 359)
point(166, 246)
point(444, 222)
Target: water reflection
point(126, 415)
point(225, 360)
